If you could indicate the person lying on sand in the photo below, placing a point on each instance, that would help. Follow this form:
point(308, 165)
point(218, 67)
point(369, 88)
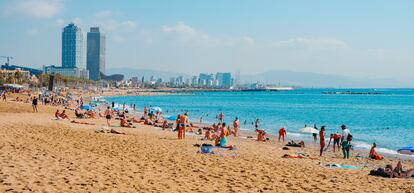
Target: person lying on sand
point(292, 143)
point(373, 154)
point(91, 114)
point(108, 130)
point(389, 172)
point(148, 122)
point(84, 123)
point(125, 123)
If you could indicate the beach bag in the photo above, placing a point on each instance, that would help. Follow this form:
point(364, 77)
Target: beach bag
point(206, 148)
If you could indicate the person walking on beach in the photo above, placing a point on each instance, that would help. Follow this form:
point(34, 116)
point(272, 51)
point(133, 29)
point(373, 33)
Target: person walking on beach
point(34, 104)
point(322, 139)
point(346, 141)
point(282, 134)
point(108, 115)
point(236, 125)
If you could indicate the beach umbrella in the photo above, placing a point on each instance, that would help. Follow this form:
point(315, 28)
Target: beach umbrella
point(86, 107)
point(93, 104)
point(172, 117)
point(156, 109)
point(409, 150)
point(309, 130)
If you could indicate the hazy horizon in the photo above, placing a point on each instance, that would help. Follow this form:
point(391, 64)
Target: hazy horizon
point(364, 39)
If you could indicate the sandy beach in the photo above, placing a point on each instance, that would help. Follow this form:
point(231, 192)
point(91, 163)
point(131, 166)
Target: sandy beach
point(41, 154)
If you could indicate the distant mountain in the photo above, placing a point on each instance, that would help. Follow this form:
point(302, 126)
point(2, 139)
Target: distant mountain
point(131, 72)
point(308, 79)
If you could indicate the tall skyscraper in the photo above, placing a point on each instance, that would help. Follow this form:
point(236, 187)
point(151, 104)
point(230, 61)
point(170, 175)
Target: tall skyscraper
point(72, 47)
point(95, 58)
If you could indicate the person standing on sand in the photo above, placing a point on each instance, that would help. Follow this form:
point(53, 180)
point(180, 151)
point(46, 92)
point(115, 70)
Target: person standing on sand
point(34, 104)
point(336, 141)
point(236, 125)
point(346, 141)
point(108, 115)
point(315, 135)
point(183, 125)
point(3, 96)
point(282, 134)
point(322, 139)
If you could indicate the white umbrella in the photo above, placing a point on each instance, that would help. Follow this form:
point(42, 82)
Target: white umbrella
point(309, 130)
point(156, 109)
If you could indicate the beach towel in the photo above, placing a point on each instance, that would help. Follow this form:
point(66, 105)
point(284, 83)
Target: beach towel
point(210, 149)
point(334, 165)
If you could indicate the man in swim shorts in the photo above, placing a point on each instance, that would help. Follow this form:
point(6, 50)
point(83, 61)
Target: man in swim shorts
point(108, 115)
point(336, 139)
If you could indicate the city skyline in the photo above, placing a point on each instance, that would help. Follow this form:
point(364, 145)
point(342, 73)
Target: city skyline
point(182, 36)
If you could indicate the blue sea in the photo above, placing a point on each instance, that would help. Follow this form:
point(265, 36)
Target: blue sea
point(386, 118)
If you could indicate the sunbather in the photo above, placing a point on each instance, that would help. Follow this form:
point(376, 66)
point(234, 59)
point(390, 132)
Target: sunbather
point(373, 154)
point(389, 172)
point(63, 115)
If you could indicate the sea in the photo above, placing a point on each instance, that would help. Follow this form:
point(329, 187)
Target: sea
point(386, 117)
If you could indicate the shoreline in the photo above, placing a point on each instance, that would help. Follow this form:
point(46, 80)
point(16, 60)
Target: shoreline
point(300, 137)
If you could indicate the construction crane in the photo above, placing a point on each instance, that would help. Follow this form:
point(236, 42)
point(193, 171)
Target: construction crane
point(8, 58)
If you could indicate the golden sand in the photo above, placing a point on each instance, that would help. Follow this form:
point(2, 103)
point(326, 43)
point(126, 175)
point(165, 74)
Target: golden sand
point(45, 155)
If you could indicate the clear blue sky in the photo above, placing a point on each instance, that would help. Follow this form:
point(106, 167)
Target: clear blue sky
point(353, 38)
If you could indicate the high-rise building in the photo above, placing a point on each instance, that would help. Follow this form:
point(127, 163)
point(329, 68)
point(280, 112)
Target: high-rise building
point(226, 81)
point(72, 47)
point(223, 79)
point(95, 57)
